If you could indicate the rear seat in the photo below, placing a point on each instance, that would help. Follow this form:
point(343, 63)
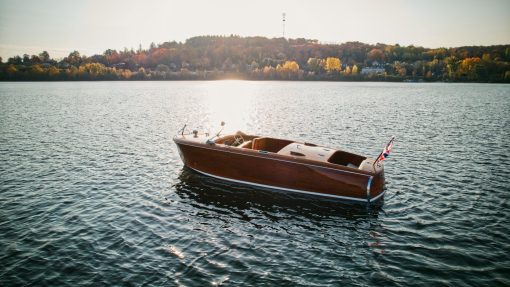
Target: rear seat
point(246, 144)
point(256, 143)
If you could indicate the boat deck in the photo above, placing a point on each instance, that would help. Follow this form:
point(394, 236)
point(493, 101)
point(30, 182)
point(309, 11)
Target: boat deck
point(311, 152)
point(297, 150)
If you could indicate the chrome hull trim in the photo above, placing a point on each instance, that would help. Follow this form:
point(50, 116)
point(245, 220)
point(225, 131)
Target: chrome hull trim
point(369, 185)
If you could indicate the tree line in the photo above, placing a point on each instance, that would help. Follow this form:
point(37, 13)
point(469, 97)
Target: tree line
point(260, 58)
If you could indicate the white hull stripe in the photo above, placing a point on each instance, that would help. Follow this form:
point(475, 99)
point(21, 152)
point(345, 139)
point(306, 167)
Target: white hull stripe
point(290, 189)
point(282, 160)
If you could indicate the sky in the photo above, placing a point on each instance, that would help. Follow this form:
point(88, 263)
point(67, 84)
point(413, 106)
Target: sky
point(92, 26)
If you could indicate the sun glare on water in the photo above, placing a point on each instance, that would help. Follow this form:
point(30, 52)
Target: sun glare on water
point(229, 101)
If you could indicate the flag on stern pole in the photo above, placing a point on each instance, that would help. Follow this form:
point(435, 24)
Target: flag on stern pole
point(386, 151)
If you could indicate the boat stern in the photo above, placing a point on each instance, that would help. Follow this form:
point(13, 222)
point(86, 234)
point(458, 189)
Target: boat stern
point(375, 185)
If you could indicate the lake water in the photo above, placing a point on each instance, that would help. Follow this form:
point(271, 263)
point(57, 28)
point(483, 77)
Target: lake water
point(93, 192)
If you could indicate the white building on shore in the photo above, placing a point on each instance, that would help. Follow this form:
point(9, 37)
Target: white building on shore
point(375, 69)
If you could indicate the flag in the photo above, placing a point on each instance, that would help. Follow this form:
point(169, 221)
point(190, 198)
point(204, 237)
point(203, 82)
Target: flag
point(386, 151)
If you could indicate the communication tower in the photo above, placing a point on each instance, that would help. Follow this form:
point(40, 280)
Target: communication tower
point(283, 24)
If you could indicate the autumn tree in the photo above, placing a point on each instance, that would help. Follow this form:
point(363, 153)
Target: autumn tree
point(140, 59)
point(126, 74)
point(288, 70)
point(261, 57)
point(333, 64)
point(72, 73)
point(53, 72)
point(37, 69)
point(467, 67)
point(354, 70)
point(92, 70)
point(375, 55)
point(111, 56)
point(11, 70)
point(268, 72)
point(291, 66)
point(141, 74)
point(400, 68)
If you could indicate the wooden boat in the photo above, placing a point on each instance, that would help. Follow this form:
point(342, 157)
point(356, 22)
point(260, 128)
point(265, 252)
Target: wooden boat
point(283, 164)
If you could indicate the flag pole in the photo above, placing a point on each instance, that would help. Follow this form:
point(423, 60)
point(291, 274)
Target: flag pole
point(377, 159)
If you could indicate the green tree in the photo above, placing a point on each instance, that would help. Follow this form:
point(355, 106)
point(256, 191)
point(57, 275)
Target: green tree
point(314, 64)
point(34, 59)
point(74, 58)
point(163, 68)
point(26, 59)
point(452, 64)
point(44, 56)
point(16, 60)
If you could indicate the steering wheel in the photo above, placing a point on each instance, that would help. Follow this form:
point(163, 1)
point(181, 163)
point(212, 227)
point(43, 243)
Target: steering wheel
point(238, 139)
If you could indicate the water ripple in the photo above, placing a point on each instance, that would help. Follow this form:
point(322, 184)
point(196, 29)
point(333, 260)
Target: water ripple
point(93, 192)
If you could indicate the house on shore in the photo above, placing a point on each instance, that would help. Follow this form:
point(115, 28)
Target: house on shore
point(375, 69)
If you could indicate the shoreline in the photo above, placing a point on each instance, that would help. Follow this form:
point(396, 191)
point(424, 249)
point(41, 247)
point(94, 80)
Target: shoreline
point(255, 80)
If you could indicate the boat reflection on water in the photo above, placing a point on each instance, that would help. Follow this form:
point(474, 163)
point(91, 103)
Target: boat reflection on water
point(209, 191)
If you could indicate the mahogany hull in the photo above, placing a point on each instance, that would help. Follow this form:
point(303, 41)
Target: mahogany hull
point(281, 172)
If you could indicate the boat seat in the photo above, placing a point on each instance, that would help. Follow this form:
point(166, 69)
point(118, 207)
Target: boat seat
point(269, 144)
point(352, 165)
point(257, 144)
point(246, 144)
point(222, 139)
